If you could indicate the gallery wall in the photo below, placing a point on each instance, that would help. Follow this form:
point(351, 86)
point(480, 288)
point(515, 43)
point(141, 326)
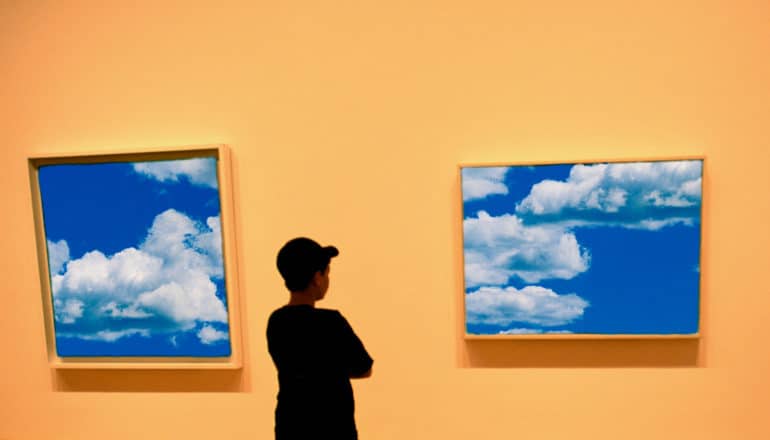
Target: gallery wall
point(346, 122)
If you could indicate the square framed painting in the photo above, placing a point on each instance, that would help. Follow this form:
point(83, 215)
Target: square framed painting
point(582, 249)
point(137, 258)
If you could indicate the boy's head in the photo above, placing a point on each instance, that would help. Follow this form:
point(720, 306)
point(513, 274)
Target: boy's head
point(299, 260)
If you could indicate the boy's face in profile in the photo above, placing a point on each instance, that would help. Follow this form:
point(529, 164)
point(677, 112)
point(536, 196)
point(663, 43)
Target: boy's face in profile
point(322, 282)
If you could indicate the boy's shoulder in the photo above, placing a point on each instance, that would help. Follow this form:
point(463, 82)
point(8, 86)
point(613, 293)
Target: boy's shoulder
point(303, 310)
point(293, 316)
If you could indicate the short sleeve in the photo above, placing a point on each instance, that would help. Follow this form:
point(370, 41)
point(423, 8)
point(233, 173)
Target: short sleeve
point(357, 359)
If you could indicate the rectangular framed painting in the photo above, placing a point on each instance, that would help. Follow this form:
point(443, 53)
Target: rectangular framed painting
point(137, 259)
point(582, 250)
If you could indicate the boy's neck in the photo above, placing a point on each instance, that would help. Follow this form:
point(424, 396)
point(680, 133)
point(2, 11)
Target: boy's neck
point(301, 298)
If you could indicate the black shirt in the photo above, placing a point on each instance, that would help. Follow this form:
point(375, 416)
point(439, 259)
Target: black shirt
point(315, 352)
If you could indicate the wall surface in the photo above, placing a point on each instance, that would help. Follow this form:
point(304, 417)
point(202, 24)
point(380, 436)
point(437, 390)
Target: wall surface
point(346, 121)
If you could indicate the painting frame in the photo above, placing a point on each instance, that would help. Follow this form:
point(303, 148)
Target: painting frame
point(221, 154)
point(463, 304)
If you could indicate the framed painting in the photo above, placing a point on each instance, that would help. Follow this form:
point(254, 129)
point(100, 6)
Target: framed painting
point(137, 258)
point(582, 250)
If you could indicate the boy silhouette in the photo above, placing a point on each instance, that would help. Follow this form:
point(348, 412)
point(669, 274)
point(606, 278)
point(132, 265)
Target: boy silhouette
point(315, 351)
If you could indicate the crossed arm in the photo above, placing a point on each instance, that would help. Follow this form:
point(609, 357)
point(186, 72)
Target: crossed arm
point(364, 375)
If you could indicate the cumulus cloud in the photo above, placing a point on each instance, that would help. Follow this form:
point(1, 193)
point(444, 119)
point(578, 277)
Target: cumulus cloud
point(164, 285)
point(183, 243)
point(482, 182)
point(185, 301)
point(643, 195)
point(127, 270)
point(533, 305)
point(67, 312)
point(58, 255)
point(200, 171)
point(209, 335)
point(497, 248)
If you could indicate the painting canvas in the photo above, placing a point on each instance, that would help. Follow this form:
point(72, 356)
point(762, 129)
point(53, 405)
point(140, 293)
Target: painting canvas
point(582, 248)
point(135, 260)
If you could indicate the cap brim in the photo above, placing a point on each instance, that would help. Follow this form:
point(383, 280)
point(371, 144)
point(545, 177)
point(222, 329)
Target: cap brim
point(331, 251)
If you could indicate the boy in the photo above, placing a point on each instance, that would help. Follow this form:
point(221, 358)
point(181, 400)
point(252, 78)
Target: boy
point(314, 350)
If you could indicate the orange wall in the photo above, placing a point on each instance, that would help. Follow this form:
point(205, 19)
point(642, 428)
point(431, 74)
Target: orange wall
point(346, 121)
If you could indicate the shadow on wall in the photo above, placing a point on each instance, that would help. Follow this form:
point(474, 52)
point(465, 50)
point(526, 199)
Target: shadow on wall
point(598, 353)
point(148, 381)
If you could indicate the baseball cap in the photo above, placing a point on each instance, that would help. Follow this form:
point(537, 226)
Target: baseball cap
point(300, 258)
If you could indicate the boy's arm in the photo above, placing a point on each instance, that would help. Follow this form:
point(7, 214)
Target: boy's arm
point(368, 373)
point(358, 361)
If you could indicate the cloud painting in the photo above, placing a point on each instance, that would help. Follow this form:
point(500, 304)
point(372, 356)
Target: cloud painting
point(135, 258)
point(604, 248)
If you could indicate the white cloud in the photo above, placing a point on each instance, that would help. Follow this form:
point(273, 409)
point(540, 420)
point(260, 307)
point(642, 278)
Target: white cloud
point(209, 335)
point(58, 255)
point(481, 182)
point(90, 273)
point(635, 195)
point(184, 244)
point(654, 225)
point(186, 300)
point(497, 248)
point(520, 331)
point(127, 270)
point(67, 312)
point(115, 310)
point(112, 336)
point(201, 171)
point(210, 244)
point(532, 305)
point(166, 284)
point(531, 331)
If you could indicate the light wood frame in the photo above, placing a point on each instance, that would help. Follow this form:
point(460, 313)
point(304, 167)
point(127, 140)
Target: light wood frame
point(577, 336)
point(222, 154)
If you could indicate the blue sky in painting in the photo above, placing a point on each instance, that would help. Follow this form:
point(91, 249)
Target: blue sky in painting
point(135, 258)
point(592, 249)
